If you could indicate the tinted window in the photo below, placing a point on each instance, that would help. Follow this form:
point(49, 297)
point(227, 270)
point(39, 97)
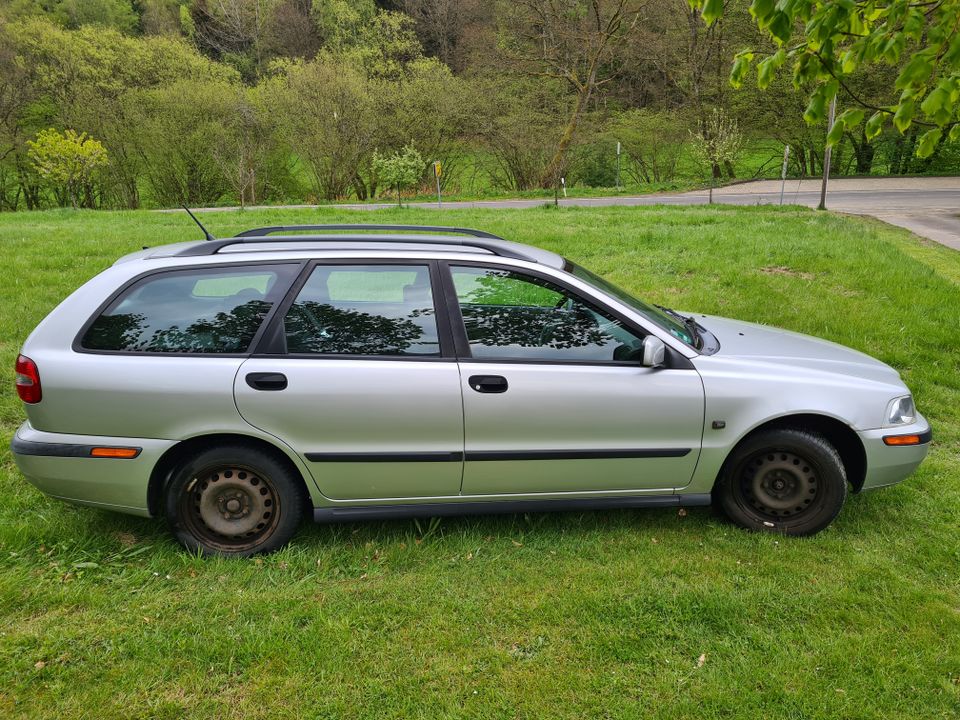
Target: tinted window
point(510, 315)
point(364, 310)
point(216, 310)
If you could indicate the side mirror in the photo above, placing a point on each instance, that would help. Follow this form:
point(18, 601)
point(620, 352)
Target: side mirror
point(653, 351)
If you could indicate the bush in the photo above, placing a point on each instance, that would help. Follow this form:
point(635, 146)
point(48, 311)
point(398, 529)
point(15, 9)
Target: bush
point(67, 163)
point(652, 143)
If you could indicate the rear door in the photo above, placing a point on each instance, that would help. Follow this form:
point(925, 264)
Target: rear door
point(361, 381)
point(555, 398)
point(159, 359)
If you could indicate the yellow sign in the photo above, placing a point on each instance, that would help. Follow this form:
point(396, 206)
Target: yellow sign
point(437, 169)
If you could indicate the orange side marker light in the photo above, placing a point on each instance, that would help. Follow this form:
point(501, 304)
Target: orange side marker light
point(114, 452)
point(902, 440)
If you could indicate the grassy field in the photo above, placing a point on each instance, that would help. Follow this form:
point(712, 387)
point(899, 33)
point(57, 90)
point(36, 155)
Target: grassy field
point(630, 614)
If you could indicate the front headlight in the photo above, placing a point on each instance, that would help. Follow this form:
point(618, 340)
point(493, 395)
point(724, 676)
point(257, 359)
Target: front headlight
point(901, 411)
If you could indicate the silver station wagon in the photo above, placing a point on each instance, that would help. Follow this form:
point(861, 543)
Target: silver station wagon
point(345, 372)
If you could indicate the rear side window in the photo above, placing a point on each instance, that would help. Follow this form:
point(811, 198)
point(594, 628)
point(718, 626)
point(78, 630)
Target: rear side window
point(213, 310)
point(364, 310)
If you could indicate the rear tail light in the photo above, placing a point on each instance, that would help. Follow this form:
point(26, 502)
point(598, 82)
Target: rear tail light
point(28, 380)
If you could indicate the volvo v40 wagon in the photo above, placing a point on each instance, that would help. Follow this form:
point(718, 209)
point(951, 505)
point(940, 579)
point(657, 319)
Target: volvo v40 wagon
point(345, 372)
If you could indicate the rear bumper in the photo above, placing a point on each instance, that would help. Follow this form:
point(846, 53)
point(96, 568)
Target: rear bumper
point(886, 464)
point(60, 465)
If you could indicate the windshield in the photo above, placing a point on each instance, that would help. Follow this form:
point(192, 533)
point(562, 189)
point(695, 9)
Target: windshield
point(654, 314)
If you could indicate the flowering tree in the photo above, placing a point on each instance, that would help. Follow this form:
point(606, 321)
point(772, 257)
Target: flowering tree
point(401, 170)
point(716, 143)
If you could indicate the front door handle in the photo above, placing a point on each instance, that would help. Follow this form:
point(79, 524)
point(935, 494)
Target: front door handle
point(267, 381)
point(488, 383)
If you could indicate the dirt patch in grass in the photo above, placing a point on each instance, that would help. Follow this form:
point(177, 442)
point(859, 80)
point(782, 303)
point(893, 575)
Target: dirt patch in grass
point(783, 270)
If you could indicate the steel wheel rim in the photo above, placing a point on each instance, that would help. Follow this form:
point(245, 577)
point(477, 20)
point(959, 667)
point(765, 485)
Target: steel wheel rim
point(230, 506)
point(779, 484)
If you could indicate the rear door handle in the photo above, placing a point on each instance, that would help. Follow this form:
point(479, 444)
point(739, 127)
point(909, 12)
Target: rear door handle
point(488, 383)
point(267, 381)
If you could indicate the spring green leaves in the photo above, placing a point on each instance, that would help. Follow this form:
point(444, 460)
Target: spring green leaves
point(841, 37)
point(66, 161)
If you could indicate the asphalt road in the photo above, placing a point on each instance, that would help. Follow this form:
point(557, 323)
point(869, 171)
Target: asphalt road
point(930, 207)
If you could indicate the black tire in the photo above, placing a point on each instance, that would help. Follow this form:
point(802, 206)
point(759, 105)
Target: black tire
point(234, 501)
point(784, 481)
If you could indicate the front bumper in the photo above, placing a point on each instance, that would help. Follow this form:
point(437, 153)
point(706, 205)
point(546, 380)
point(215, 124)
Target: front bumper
point(887, 464)
point(60, 465)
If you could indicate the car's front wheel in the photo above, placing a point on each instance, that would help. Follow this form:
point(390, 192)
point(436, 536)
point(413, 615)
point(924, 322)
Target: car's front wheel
point(234, 501)
point(788, 481)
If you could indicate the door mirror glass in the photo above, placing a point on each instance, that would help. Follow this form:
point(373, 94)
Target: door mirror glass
point(653, 351)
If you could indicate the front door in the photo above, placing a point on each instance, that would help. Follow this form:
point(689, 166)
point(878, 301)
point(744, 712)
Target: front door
point(362, 390)
point(555, 399)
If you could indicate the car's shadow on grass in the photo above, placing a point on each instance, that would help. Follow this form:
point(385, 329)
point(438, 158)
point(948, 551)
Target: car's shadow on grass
point(88, 531)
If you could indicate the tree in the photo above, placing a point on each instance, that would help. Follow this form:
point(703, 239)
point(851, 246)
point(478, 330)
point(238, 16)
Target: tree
point(574, 41)
point(518, 123)
point(843, 37)
point(652, 141)
point(178, 127)
point(442, 25)
point(427, 107)
point(325, 114)
point(68, 162)
point(235, 31)
point(243, 146)
point(401, 170)
point(717, 142)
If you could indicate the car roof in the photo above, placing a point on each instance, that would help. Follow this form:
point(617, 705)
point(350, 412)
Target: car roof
point(356, 238)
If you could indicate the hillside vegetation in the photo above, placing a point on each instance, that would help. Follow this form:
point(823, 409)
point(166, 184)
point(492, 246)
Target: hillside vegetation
point(153, 103)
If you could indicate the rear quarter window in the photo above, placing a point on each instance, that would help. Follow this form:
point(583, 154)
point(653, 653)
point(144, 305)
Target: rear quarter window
point(210, 310)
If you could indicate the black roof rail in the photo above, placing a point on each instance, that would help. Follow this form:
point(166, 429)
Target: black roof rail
point(478, 239)
point(261, 232)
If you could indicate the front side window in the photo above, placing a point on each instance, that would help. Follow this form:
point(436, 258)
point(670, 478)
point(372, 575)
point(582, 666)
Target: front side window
point(509, 315)
point(211, 310)
point(364, 310)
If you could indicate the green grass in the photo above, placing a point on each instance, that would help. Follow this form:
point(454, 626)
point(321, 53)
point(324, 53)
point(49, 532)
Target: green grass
point(631, 614)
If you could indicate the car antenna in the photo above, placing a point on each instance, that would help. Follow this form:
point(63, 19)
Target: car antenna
point(194, 218)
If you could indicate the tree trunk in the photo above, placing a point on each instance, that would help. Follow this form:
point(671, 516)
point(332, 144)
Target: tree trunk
point(359, 187)
point(864, 152)
point(551, 175)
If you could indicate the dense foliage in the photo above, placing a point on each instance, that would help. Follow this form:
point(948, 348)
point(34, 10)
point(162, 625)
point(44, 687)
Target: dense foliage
point(254, 101)
point(920, 38)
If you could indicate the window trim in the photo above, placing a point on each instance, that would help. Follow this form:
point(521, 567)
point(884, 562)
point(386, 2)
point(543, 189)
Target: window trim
point(674, 359)
point(273, 341)
point(77, 345)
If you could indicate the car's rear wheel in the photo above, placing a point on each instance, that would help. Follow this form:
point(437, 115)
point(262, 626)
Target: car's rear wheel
point(788, 481)
point(234, 501)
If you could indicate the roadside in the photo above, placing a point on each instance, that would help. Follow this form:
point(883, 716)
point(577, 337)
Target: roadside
point(927, 206)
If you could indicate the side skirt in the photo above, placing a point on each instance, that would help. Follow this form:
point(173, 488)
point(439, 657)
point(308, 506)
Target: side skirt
point(497, 507)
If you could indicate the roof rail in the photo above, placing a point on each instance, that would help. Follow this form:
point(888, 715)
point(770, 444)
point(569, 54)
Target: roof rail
point(261, 232)
point(478, 239)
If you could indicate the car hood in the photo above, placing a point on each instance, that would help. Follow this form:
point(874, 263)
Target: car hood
point(761, 343)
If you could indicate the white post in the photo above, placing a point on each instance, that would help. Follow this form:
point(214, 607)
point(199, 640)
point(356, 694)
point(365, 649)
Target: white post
point(783, 171)
point(618, 166)
point(563, 184)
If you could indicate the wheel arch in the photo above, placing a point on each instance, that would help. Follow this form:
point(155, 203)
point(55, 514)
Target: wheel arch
point(168, 462)
point(843, 437)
